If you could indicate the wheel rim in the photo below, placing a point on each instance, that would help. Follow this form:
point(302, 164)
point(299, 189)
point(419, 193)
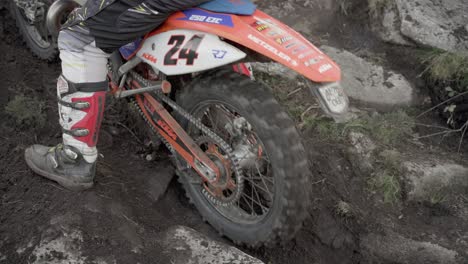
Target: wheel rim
point(257, 196)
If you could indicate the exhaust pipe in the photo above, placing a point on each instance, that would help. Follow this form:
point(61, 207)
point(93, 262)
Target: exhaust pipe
point(57, 13)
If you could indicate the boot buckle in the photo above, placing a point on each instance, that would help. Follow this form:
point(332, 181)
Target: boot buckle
point(77, 132)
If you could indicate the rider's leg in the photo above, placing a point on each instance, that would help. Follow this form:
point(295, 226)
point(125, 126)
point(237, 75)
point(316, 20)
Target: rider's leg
point(81, 91)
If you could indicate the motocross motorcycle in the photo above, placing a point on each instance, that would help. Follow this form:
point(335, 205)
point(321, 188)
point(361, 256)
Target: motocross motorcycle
point(237, 152)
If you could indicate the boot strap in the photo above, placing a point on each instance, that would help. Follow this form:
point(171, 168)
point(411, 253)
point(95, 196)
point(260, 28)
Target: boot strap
point(63, 154)
point(78, 105)
point(77, 132)
point(66, 87)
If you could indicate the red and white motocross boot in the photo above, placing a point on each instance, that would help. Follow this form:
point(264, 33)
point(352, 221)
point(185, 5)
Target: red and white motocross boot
point(73, 163)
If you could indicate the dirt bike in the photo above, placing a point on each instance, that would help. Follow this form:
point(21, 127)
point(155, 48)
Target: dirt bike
point(238, 154)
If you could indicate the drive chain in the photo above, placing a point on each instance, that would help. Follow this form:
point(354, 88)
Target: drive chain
point(206, 131)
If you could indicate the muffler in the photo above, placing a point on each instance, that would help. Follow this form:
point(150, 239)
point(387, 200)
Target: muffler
point(57, 14)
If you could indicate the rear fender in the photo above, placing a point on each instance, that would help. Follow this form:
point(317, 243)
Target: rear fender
point(263, 34)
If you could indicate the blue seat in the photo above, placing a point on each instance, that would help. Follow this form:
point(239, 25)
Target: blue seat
point(236, 7)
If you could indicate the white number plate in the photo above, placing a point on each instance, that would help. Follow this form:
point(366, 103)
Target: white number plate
point(334, 97)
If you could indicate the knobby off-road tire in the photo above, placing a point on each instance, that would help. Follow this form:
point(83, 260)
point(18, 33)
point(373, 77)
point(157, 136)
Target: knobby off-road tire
point(283, 145)
point(48, 53)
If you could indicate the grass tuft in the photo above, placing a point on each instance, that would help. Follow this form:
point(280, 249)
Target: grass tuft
point(391, 128)
point(387, 180)
point(344, 6)
point(388, 129)
point(27, 111)
point(390, 187)
point(376, 6)
point(447, 66)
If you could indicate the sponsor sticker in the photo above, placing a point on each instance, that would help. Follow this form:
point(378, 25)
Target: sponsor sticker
point(273, 33)
point(219, 54)
point(299, 49)
point(198, 15)
point(305, 54)
point(290, 45)
point(260, 26)
point(150, 57)
point(325, 68)
point(62, 85)
point(283, 40)
point(272, 49)
point(313, 61)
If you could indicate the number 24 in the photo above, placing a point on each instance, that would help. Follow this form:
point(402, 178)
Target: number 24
point(188, 52)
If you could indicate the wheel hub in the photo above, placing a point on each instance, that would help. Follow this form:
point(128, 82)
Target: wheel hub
point(225, 186)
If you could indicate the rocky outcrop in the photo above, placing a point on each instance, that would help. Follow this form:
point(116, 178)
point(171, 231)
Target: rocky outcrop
point(371, 84)
point(368, 83)
point(361, 152)
point(433, 179)
point(394, 248)
point(184, 245)
point(434, 23)
point(306, 16)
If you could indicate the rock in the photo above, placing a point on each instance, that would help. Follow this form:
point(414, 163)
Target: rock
point(331, 232)
point(183, 245)
point(360, 152)
point(394, 248)
point(371, 84)
point(432, 178)
point(388, 28)
point(305, 16)
point(273, 68)
point(439, 24)
point(157, 184)
point(61, 242)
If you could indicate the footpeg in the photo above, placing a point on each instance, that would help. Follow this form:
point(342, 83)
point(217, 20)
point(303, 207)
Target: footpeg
point(163, 86)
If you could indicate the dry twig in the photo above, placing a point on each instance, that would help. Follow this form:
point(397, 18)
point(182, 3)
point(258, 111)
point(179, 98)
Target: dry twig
point(131, 132)
point(444, 102)
point(463, 129)
point(294, 92)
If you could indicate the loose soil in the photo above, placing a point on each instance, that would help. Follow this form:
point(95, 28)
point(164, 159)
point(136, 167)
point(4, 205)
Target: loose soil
point(121, 217)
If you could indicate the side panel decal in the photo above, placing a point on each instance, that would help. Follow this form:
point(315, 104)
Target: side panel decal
point(199, 15)
point(179, 52)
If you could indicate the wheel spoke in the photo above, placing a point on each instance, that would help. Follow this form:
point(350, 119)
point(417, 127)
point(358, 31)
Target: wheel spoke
point(258, 186)
point(252, 200)
point(259, 204)
point(262, 178)
point(259, 200)
point(247, 202)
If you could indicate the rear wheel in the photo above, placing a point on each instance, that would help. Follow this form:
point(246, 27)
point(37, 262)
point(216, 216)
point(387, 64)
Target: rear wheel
point(31, 23)
point(262, 196)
